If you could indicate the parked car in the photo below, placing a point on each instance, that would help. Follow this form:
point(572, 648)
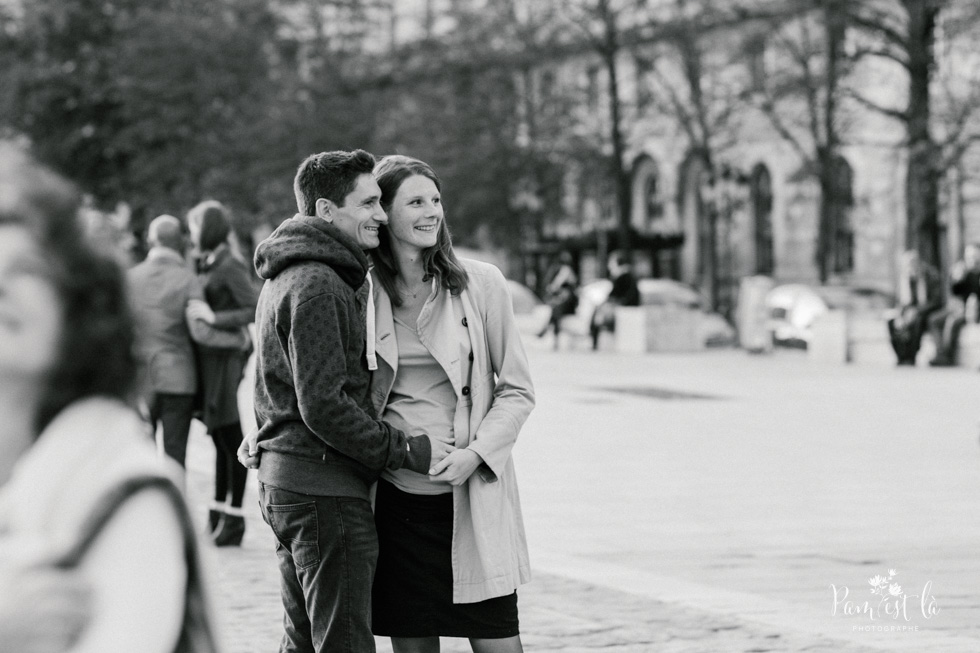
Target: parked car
point(793, 308)
point(715, 329)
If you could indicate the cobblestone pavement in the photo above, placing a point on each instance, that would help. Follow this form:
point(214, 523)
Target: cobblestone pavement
point(639, 561)
point(557, 614)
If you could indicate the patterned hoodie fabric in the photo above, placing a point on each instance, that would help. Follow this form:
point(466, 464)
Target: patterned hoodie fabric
point(318, 431)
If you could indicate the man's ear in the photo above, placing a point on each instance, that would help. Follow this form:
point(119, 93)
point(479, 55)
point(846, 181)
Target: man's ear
point(325, 209)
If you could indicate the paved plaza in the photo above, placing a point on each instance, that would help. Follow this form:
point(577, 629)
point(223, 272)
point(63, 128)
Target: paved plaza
point(716, 501)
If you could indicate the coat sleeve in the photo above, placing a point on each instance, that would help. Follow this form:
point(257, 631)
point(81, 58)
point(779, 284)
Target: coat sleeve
point(513, 395)
point(318, 343)
point(239, 283)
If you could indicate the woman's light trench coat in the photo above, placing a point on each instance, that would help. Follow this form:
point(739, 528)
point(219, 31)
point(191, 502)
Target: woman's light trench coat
point(494, 396)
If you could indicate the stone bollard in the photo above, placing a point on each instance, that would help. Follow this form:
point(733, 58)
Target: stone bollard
point(968, 352)
point(868, 339)
point(631, 330)
point(828, 338)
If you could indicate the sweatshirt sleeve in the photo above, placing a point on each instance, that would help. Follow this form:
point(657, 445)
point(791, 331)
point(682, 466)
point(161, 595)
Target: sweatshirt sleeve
point(318, 345)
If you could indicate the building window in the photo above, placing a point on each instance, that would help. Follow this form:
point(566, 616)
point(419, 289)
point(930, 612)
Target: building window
point(761, 193)
point(841, 229)
point(644, 94)
point(651, 196)
point(648, 206)
point(592, 89)
point(755, 57)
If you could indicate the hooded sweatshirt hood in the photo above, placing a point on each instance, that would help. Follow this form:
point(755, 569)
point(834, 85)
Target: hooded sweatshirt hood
point(305, 238)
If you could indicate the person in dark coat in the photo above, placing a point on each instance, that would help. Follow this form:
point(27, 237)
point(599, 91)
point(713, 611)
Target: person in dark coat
point(562, 292)
point(625, 292)
point(231, 295)
point(921, 295)
point(945, 325)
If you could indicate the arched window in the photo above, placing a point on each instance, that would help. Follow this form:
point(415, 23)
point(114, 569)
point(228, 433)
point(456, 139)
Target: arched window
point(841, 229)
point(653, 206)
point(761, 192)
point(647, 195)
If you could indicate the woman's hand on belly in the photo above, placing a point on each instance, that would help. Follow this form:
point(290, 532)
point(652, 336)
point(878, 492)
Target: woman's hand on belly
point(457, 467)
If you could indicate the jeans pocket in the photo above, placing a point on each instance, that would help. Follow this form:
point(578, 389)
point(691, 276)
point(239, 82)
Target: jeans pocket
point(296, 528)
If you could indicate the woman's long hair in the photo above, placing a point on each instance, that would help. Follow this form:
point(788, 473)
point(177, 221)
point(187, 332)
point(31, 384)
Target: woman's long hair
point(97, 349)
point(438, 261)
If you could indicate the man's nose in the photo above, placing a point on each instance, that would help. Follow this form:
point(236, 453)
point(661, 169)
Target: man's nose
point(381, 216)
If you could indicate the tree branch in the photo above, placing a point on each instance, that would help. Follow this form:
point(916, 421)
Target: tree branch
point(882, 54)
point(769, 109)
point(895, 114)
point(877, 25)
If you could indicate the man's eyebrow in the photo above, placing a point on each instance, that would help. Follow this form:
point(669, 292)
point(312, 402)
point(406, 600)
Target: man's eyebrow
point(371, 198)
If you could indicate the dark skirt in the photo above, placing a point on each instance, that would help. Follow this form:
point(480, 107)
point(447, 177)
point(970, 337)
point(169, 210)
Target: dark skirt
point(413, 586)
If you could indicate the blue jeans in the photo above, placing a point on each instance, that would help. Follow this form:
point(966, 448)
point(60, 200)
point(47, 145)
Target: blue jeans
point(328, 551)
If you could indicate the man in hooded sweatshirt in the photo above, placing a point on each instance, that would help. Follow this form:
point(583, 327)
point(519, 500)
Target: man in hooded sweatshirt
point(321, 443)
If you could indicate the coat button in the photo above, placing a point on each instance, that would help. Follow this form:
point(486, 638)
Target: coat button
point(466, 390)
point(464, 322)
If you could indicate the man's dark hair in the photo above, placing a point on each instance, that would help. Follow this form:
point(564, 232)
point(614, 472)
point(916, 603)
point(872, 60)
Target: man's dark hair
point(329, 175)
point(214, 221)
point(619, 258)
point(97, 353)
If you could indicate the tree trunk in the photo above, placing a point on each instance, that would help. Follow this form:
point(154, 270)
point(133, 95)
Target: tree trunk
point(621, 176)
point(827, 153)
point(922, 178)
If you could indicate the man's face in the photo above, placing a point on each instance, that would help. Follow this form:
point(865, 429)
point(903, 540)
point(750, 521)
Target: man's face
point(361, 214)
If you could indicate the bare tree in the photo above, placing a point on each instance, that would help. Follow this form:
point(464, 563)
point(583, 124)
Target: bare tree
point(801, 98)
point(904, 33)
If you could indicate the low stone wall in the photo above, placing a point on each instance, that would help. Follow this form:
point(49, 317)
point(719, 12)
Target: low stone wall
point(641, 329)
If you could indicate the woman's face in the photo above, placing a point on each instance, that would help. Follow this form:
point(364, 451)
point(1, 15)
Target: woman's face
point(30, 309)
point(415, 215)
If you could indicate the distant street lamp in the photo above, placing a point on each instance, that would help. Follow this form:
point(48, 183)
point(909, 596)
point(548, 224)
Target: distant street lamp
point(723, 196)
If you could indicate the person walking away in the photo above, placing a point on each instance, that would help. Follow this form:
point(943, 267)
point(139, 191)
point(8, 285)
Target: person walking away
point(84, 496)
point(562, 292)
point(920, 295)
point(624, 292)
point(231, 296)
point(321, 444)
point(452, 549)
point(161, 288)
point(945, 325)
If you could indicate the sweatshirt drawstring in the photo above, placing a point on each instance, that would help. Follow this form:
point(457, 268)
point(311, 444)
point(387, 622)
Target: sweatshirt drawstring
point(372, 357)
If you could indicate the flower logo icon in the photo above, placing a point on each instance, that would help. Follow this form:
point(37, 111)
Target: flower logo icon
point(884, 587)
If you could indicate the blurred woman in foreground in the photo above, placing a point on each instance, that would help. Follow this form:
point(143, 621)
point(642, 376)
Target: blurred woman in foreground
point(87, 507)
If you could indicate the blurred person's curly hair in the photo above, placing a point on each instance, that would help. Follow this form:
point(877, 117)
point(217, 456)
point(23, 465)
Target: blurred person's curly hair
point(97, 348)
